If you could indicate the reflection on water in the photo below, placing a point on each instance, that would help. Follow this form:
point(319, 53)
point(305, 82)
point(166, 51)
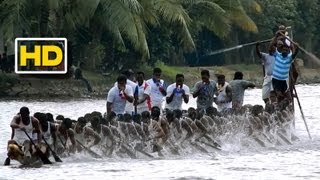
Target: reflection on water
point(298, 161)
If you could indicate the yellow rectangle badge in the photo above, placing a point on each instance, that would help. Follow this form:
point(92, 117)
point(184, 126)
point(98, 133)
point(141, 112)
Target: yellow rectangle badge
point(41, 56)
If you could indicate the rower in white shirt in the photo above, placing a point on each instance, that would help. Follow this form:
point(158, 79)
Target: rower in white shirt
point(118, 96)
point(158, 88)
point(176, 93)
point(142, 94)
point(130, 82)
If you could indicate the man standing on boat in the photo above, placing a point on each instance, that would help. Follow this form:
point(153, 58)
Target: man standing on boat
point(118, 96)
point(158, 88)
point(283, 60)
point(238, 86)
point(205, 91)
point(224, 94)
point(268, 63)
point(176, 93)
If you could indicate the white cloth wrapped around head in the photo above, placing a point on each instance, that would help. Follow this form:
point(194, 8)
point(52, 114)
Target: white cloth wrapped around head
point(287, 42)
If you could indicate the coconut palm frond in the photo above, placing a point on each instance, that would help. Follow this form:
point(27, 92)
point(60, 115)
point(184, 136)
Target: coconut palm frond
point(238, 15)
point(133, 5)
point(174, 13)
point(13, 18)
point(186, 39)
point(251, 6)
point(141, 30)
point(125, 19)
point(149, 13)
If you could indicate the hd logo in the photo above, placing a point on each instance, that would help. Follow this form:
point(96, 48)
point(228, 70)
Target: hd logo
point(41, 55)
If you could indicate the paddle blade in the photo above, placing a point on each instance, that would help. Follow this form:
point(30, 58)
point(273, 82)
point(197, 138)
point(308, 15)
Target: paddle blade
point(43, 157)
point(7, 162)
point(56, 158)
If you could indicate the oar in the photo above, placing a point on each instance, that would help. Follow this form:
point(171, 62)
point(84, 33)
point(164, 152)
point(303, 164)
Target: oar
point(237, 47)
point(313, 57)
point(259, 141)
point(210, 145)
point(304, 119)
point(142, 152)
point(64, 145)
point(284, 138)
point(129, 152)
point(89, 150)
point(56, 157)
point(42, 156)
point(7, 161)
point(139, 149)
point(213, 141)
point(200, 148)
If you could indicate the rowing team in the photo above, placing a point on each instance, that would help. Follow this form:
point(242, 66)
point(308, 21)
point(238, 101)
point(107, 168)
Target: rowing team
point(169, 132)
point(135, 97)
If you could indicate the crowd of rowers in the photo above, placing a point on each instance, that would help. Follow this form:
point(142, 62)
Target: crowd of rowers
point(135, 121)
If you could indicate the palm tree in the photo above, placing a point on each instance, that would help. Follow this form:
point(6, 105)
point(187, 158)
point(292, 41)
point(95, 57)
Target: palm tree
point(124, 19)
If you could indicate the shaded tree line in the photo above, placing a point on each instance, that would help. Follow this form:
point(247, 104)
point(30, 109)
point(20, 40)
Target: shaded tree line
point(108, 35)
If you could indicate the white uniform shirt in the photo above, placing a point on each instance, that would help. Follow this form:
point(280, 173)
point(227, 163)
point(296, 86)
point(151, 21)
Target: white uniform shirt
point(156, 96)
point(129, 106)
point(222, 96)
point(19, 135)
point(177, 100)
point(144, 89)
point(118, 100)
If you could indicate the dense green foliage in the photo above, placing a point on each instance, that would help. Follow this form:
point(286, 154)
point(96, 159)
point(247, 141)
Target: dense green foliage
point(116, 34)
point(302, 16)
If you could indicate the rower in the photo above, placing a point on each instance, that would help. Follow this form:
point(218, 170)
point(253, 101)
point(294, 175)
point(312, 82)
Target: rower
point(142, 94)
point(204, 91)
point(129, 74)
point(21, 124)
point(83, 132)
point(118, 96)
point(158, 89)
point(238, 86)
point(66, 136)
point(224, 94)
point(176, 93)
point(48, 130)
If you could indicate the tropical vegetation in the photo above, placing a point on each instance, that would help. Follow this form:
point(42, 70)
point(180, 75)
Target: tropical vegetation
point(107, 35)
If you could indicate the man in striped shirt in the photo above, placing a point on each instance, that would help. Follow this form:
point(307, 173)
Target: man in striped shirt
point(283, 59)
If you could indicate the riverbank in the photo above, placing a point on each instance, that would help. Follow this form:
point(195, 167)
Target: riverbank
point(12, 86)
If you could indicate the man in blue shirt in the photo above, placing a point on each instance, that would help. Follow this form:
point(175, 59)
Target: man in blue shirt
point(283, 59)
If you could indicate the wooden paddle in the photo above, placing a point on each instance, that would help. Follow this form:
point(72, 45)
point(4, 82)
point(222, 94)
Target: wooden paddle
point(64, 145)
point(210, 145)
point(42, 156)
point(302, 114)
point(7, 161)
point(313, 57)
point(89, 150)
point(236, 47)
point(56, 157)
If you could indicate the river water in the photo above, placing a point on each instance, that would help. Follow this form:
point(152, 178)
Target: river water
point(298, 161)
